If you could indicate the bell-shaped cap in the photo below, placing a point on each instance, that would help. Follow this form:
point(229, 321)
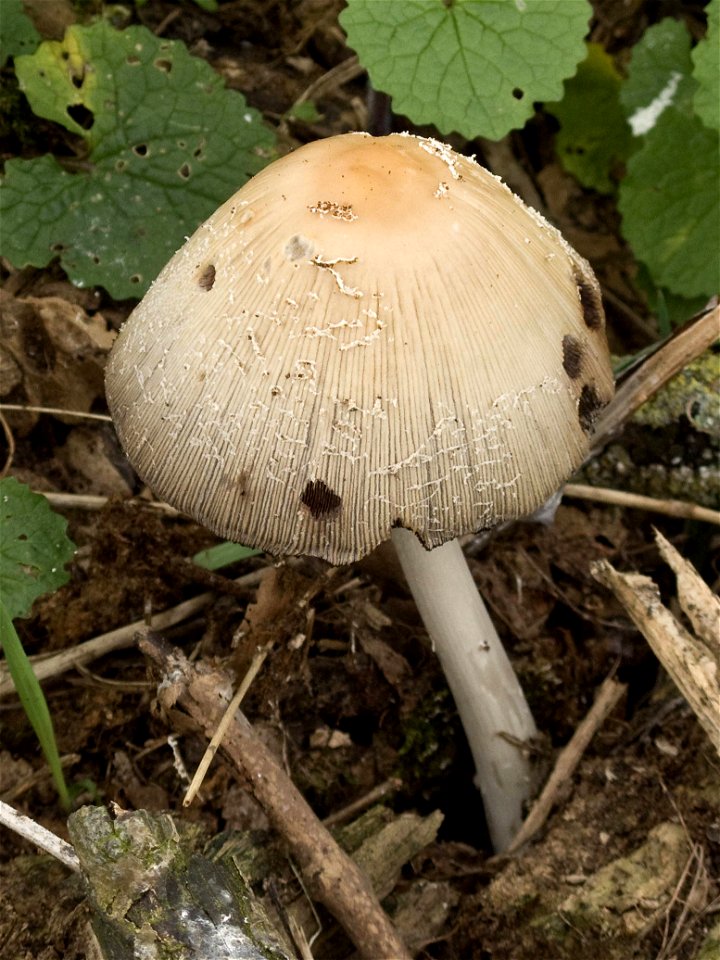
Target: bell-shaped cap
point(373, 332)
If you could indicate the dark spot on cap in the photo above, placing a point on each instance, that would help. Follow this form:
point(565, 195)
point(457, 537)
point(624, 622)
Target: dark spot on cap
point(589, 407)
point(207, 277)
point(320, 500)
point(572, 351)
point(235, 482)
point(590, 302)
point(298, 247)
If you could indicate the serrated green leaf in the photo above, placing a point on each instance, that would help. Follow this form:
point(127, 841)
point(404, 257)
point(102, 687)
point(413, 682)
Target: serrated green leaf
point(659, 75)
point(34, 547)
point(166, 144)
point(706, 61)
point(588, 149)
point(669, 205)
point(471, 66)
point(17, 31)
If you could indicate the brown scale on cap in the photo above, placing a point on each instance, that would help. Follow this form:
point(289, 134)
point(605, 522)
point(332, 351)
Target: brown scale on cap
point(365, 311)
point(320, 500)
point(207, 277)
point(589, 407)
point(572, 351)
point(591, 303)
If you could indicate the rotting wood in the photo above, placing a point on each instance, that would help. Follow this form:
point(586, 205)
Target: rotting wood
point(329, 874)
point(153, 896)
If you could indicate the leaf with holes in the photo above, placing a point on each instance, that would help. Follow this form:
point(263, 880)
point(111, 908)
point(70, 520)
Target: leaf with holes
point(590, 150)
point(18, 31)
point(34, 547)
point(706, 58)
point(163, 143)
point(474, 68)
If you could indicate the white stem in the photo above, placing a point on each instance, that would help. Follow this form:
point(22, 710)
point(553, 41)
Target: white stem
point(491, 704)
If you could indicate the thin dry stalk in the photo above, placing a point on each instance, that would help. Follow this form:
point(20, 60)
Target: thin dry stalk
point(10, 439)
point(636, 501)
point(56, 411)
point(362, 803)
point(119, 639)
point(673, 936)
point(568, 759)
point(89, 501)
point(227, 718)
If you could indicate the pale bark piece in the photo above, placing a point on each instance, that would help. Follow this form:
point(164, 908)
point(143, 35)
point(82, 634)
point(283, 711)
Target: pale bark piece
point(694, 664)
point(699, 603)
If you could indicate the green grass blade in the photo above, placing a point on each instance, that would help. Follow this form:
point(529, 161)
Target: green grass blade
point(223, 554)
point(33, 700)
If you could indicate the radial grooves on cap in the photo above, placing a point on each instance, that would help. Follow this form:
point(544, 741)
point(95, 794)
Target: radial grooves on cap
point(372, 353)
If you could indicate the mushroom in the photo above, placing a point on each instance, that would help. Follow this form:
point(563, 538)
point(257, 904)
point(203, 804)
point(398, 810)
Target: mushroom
point(374, 338)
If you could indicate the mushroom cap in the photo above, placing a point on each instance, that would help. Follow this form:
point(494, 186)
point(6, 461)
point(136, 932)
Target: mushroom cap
point(372, 332)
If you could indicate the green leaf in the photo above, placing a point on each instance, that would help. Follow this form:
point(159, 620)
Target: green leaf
point(166, 143)
point(305, 111)
point(472, 66)
point(669, 205)
point(706, 60)
point(669, 198)
point(659, 75)
point(591, 151)
point(34, 547)
point(32, 699)
point(17, 31)
point(223, 554)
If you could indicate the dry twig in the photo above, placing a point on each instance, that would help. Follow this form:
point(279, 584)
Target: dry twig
point(568, 759)
point(39, 835)
point(636, 501)
point(119, 639)
point(671, 356)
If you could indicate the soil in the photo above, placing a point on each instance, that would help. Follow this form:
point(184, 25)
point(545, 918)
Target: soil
point(352, 696)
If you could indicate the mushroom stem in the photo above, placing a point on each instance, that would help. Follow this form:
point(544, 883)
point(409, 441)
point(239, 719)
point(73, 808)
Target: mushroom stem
point(489, 699)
